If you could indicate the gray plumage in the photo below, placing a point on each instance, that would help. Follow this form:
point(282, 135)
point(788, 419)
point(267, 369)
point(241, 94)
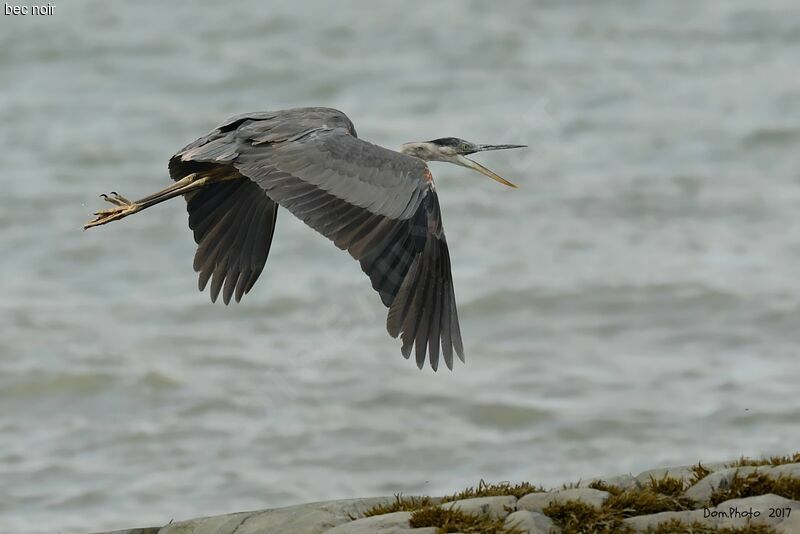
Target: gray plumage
point(377, 204)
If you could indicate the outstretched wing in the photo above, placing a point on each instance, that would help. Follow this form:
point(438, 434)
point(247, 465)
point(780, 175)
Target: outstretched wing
point(377, 204)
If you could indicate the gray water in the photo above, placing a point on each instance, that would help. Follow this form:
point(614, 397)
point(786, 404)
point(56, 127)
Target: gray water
point(635, 303)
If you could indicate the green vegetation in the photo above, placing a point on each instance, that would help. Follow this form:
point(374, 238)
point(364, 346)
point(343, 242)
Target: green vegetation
point(647, 500)
point(772, 460)
point(663, 494)
point(659, 495)
point(699, 472)
point(454, 520)
point(400, 504)
point(602, 486)
point(755, 484)
point(577, 517)
point(427, 513)
point(676, 526)
point(670, 486)
point(495, 490)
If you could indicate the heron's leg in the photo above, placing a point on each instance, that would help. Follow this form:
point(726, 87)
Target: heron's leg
point(124, 207)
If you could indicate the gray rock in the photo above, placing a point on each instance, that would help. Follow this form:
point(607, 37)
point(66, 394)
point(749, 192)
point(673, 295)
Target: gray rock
point(755, 510)
point(641, 523)
point(684, 472)
point(145, 530)
point(492, 506)
point(530, 522)
point(732, 513)
point(219, 523)
point(313, 518)
point(701, 491)
point(787, 470)
point(716, 466)
point(790, 525)
point(394, 523)
point(721, 479)
point(536, 502)
point(336, 516)
point(623, 481)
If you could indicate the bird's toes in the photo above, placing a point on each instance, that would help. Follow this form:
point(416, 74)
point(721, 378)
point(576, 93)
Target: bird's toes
point(116, 199)
point(120, 198)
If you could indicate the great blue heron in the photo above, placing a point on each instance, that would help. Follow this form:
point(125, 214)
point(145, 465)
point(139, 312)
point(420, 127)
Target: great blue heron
point(378, 204)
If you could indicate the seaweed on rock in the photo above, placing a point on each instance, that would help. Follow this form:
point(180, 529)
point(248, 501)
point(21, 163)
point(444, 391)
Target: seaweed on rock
point(756, 483)
point(400, 504)
point(699, 472)
point(676, 526)
point(454, 520)
point(495, 490)
point(772, 460)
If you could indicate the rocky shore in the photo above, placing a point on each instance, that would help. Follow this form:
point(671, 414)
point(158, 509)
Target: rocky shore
point(744, 496)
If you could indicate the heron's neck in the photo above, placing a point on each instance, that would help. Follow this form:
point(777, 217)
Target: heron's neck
point(423, 151)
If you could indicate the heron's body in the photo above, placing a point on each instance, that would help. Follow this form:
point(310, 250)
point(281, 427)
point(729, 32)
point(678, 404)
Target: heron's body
point(378, 204)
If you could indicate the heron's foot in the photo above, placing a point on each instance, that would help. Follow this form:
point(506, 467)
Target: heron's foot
point(122, 208)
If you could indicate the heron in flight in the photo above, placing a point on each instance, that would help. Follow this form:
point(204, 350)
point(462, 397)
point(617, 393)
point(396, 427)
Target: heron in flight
point(379, 205)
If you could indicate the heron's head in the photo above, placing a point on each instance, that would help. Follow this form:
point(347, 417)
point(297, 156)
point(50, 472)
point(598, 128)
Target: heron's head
point(453, 150)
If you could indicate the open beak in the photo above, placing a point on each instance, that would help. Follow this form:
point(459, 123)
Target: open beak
point(466, 162)
point(481, 148)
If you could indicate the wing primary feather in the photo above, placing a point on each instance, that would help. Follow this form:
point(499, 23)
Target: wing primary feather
point(233, 242)
point(205, 220)
point(205, 233)
point(433, 335)
point(207, 199)
point(412, 316)
point(457, 344)
point(424, 315)
point(371, 246)
point(246, 251)
point(237, 235)
point(210, 245)
point(347, 230)
point(231, 278)
point(396, 315)
point(390, 269)
point(408, 303)
point(263, 252)
point(447, 339)
point(206, 255)
point(255, 231)
point(225, 234)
